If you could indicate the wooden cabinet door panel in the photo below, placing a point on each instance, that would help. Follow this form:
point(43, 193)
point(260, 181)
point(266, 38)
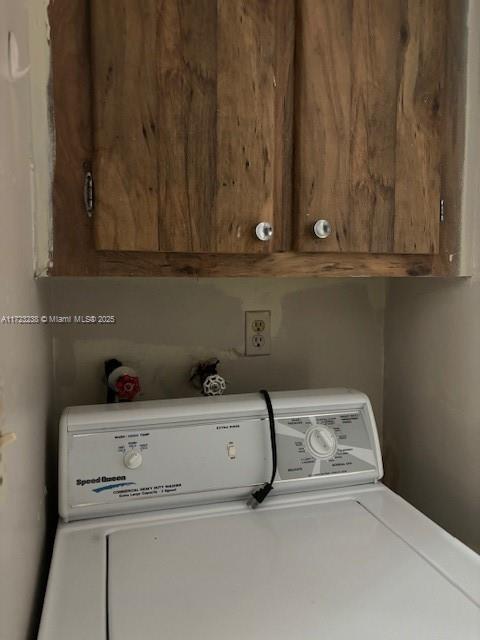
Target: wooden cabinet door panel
point(187, 114)
point(123, 37)
point(419, 127)
point(245, 124)
point(369, 79)
point(189, 119)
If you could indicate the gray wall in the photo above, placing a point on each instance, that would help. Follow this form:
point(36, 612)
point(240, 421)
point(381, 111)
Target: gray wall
point(432, 394)
point(324, 333)
point(432, 362)
point(25, 362)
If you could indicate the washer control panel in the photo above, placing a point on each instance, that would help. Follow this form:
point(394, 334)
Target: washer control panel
point(320, 442)
point(324, 444)
point(148, 455)
point(109, 467)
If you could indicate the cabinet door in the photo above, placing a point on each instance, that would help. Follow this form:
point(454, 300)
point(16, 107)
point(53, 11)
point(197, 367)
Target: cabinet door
point(369, 80)
point(191, 123)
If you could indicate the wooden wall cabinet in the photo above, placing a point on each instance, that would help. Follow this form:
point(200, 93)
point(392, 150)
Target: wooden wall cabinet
point(201, 119)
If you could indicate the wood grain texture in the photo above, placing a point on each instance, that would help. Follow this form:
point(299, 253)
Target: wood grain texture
point(198, 79)
point(369, 84)
point(74, 252)
point(285, 264)
point(187, 115)
point(453, 138)
point(323, 86)
point(123, 38)
point(73, 246)
point(418, 142)
point(245, 124)
point(375, 51)
point(284, 94)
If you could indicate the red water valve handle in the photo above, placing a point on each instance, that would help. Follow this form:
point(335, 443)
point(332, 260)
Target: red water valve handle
point(127, 387)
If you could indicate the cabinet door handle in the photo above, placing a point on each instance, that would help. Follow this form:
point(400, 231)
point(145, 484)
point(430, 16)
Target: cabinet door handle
point(264, 231)
point(322, 229)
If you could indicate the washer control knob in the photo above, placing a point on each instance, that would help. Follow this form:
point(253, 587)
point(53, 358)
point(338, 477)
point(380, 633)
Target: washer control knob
point(321, 442)
point(132, 459)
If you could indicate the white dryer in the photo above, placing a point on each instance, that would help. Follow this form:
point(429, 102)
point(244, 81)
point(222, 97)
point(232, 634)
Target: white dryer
point(156, 540)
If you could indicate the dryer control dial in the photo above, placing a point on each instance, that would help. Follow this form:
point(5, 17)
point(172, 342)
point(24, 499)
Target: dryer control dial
point(132, 459)
point(321, 442)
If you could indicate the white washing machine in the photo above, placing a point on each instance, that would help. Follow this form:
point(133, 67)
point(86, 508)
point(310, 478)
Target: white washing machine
point(157, 541)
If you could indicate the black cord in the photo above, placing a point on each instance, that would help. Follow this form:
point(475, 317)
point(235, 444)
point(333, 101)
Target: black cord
point(259, 495)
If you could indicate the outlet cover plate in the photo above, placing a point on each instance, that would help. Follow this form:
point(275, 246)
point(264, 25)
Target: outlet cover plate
point(257, 333)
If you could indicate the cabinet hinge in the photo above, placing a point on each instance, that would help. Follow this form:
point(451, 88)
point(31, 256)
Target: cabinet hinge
point(442, 211)
point(88, 192)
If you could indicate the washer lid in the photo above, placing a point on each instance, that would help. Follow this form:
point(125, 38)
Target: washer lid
point(328, 570)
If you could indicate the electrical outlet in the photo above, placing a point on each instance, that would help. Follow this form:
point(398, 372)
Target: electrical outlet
point(257, 333)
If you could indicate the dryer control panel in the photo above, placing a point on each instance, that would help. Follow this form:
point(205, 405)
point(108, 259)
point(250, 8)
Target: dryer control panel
point(148, 455)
